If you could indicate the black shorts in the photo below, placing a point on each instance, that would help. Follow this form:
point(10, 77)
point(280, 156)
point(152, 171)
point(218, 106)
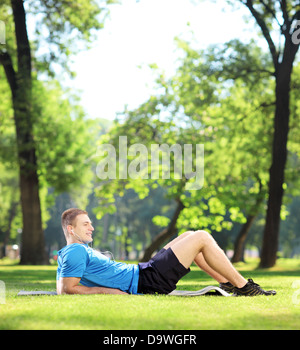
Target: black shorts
point(161, 273)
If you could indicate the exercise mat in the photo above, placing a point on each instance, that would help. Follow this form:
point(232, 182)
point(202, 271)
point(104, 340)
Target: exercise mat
point(209, 290)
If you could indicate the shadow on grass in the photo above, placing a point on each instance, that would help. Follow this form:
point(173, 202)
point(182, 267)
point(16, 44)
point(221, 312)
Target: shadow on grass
point(18, 278)
point(26, 275)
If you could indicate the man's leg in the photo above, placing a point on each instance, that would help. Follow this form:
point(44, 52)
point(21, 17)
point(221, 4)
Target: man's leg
point(203, 265)
point(199, 246)
point(199, 260)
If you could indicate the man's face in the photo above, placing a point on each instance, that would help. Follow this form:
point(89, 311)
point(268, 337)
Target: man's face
point(82, 229)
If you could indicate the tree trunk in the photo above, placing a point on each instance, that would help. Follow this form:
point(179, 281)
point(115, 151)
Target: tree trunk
point(32, 245)
point(164, 235)
point(241, 238)
point(11, 215)
point(279, 157)
point(283, 64)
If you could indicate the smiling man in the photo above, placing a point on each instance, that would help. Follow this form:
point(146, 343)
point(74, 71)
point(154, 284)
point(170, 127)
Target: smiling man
point(78, 263)
point(83, 270)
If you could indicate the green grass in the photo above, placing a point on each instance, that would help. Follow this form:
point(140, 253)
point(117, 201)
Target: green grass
point(113, 312)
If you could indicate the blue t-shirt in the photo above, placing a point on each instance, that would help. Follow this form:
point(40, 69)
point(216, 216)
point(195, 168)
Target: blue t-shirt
point(95, 269)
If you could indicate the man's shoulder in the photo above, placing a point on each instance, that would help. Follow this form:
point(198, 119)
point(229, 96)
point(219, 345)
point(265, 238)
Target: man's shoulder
point(74, 248)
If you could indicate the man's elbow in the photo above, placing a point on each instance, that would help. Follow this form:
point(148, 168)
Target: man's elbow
point(68, 290)
point(65, 288)
point(61, 290)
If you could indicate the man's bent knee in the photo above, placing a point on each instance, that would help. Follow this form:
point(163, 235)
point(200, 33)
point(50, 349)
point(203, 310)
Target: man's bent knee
point(199, 234)
point(186, 233)
point(203, 236)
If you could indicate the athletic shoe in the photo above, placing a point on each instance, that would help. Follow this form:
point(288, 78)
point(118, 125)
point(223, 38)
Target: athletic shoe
point(228, 287)
point(252, 289)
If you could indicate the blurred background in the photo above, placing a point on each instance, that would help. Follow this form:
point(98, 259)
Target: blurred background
point(75, 76)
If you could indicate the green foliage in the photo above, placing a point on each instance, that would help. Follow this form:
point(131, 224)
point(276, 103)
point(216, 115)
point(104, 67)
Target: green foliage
point(50, 151)
point(160, 220)
point(192, 110)
point(222, 97)
point(63, 136)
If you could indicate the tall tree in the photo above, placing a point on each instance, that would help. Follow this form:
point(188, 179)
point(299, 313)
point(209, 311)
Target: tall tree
point(283, 14)
point(61, 19)
point(20, 82)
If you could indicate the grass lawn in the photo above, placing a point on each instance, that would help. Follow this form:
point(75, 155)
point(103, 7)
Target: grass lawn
point(113, 312)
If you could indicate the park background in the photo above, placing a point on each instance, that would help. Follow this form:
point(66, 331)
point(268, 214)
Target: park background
point(76, 76)
point(157, 72)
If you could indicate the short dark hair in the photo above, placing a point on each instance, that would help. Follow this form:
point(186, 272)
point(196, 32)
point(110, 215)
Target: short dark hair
point(68, 217)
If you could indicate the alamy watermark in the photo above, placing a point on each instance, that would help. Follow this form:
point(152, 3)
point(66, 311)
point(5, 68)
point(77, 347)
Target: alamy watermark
point(139, 162)
point(2, 292)
point(2, 33)
point(296, 34)
point(296, 294)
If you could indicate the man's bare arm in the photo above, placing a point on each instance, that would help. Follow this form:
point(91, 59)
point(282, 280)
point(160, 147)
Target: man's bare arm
point(70, 285)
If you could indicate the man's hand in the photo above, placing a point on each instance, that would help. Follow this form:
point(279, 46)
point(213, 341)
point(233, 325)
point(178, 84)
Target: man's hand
point(70, 285)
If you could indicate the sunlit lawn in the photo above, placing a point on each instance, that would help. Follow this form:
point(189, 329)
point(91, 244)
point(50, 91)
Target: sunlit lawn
point(111, 312)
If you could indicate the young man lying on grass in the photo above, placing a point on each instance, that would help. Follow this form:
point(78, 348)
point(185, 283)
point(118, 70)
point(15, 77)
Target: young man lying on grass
point(82, 270)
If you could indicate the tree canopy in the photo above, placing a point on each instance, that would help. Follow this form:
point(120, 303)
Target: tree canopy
point(215, 147)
